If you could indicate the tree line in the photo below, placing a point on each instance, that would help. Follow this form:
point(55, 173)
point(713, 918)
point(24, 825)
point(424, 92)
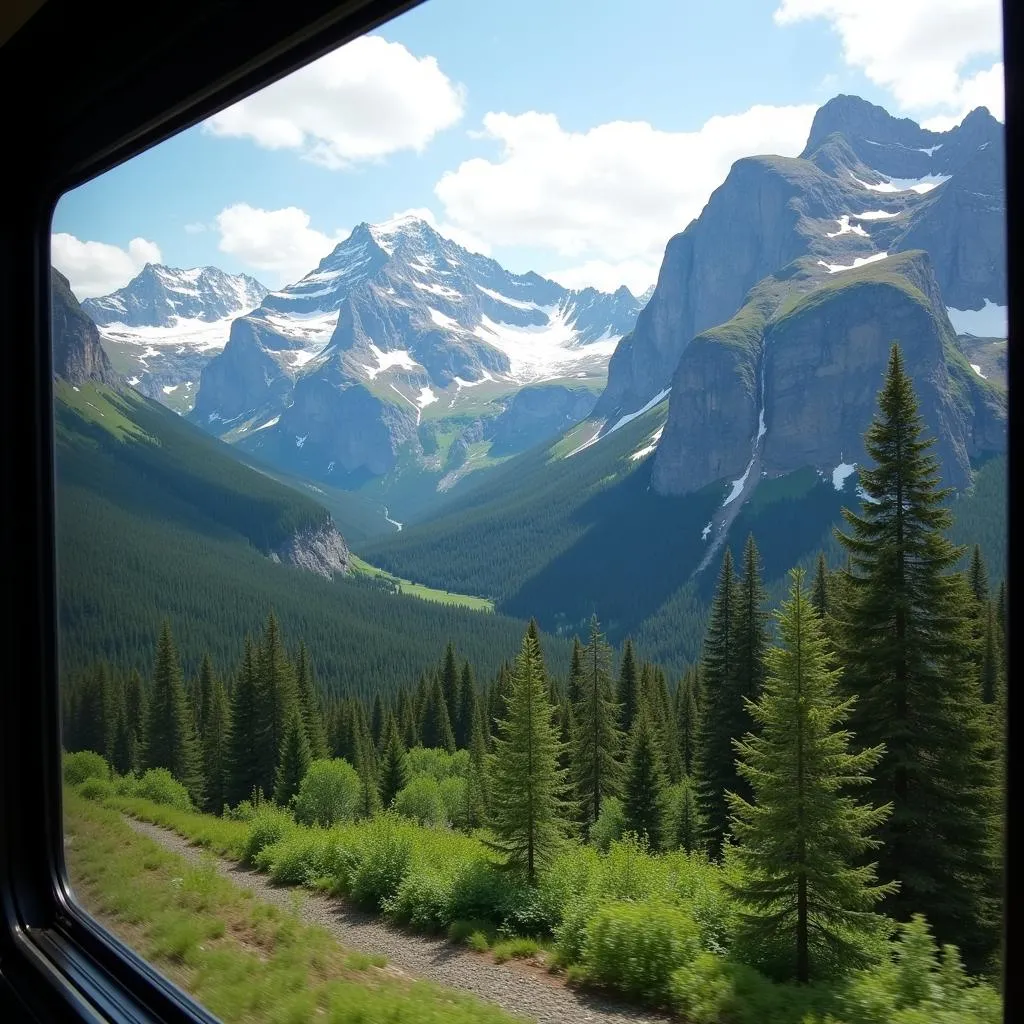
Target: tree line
point(849, 766)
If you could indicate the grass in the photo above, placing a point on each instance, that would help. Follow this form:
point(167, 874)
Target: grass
point(519, 948)
point(480, 604)
point(245, 960)
point(100, 405)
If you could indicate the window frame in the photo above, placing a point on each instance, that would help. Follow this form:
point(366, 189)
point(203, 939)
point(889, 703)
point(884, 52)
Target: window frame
point(56, 962)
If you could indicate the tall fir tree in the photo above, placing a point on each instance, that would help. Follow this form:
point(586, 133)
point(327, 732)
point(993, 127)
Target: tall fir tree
point(407, 721)
point(644, 782)
point(294, 761)
point(216, 746)
point(135, 716)
point(435, 726)
point(977, 576)
point(991, 661)
point(688, 722)
point(687, 824)
point(724, 715)
point(366, 766)
point(526, 786)
point(478, 795)
point(819, 588)
point(907, 651)
point(575, 687)
point(751, 628)
point(205, 692)
point(309, 704)
point(277, 696)
point(804, 892)
point(249, 729)
point(450, 685)
point(394, 769)
point(627, 695)
point(170, 731)
point(467, 710)
point(596, 738)
point(378, 718)
point(533, 631)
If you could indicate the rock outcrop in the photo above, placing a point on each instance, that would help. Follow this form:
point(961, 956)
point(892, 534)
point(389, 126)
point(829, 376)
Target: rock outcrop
point(78, 355)
point(318, 549)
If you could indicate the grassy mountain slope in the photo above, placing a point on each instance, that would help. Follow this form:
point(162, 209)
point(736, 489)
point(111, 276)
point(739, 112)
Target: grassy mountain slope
point(156, 519)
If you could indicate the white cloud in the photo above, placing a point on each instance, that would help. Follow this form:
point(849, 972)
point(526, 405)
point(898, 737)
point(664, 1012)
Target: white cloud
point(195, 228)
point(610, 196)
point(917, 49)
point(279, 242)
point(984, 89)
point(461, 236)
point(358, 103)
point(637, 275)
point(98, 268)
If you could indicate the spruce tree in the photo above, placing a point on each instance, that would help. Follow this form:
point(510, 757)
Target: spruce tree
point(977, 576)
point(309, 704)
point(990, 655)
point(435, 726)
point(294, 760)
point(135, 716)
point(819, 588)
point(170, 731)
point(378, 717)
point(394, 770)
point(366, 766)
point(450, 685)
point(575, 687)
point(751, 627)
point(907, 652)
point(688, 830)
point(467, 707)
point(668, 735)
point(249, 728)
point(803, 890)
point(688, 722)
point(628, 693)
point(644, 780)
point(407, 721)
point(526, 785)
point(205, 693)
point(217, 749)
point(724, 716)
point(596, 739)
point(277, 696)
point(477, 782)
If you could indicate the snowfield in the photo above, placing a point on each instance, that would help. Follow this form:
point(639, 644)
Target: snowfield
point(860, 261)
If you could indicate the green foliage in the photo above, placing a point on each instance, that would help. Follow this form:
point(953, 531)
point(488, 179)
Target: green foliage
point(394, 769)
point(294, 762)
point(610, 825)
point(329, 793)
point(94, 788)
point(267, 826)
point(84, 764)
point(644, 786)
point(520, 948)
point(421, 801)
point(386, 856)
point(158, 785)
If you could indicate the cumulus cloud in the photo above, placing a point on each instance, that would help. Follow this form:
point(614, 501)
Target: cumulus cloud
point(98, 268)
point(359, 103)
point(278, 242)
point(608, 197)
point(637, 275)
point(919, 50)
point(461, 236)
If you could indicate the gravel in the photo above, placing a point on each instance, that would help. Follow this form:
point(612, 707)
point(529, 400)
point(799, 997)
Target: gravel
point(517, 987)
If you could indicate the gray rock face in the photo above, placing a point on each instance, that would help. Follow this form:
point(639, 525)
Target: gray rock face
point(538, 413)
point(792, 380)
point(78, 356)
point(866, 183)
point(319, 549)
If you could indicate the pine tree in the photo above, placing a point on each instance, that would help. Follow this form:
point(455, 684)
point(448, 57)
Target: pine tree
point(724, 716)
point(991, 667)
point(907, 652)
point(819, 589)
point(394, 771)
point(575, 688)
point(294, 760)
point(799, 841)
point(170, 730)
point(435, 726)
point(366, 766)
point(91, 727)
point(751, 629)
point(977, 576)
point(377, 719)
point(248, 733)
point(309, 704)
point(450, 686)
point(596, 740)
point(526, 786)
point(407, 721)
point(205, 693)
point(217, 748)
point(644, 785)
point(688, 722)
point(688, 830)
point(277, 697)
point(665, 721)
point(467, 707)
point(135, 717)
point(478, 785)
point(628, 694)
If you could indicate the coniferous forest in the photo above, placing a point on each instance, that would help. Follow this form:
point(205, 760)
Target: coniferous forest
point(804, 824)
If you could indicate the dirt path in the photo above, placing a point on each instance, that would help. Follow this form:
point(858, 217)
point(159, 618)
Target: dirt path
point(516, 987)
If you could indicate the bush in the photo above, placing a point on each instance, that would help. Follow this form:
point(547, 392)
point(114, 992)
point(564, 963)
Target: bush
point(328, 793)
point(479, 891)
point(96, 789)
point(454, 793)
point(636, 947)
point(299, 857)
point(269, 825)
point(469, 933)
point(423, 899)
point(421, 801)
point(437, 763)
point(610, 824)
point(386, 856)
point(520, 949)
point(160, 786)
point(243, 811)
point(126, 785)
point(84, 764)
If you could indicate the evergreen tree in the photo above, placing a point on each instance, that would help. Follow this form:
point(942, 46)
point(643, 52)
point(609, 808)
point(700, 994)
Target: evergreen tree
point(450, 686)
point(575, 688)
point(628, 694)
point(477, 782)
point(1001, 614)
point(467, 707)
point(205, 693)
point(644, 785)
point(802, 890)
point(819, 589)
point(990, 655)
point(124, 749)
point(435, 726)
point(499, 698)
point(170, 731)
point(668, 735)
point(751, 629)
point(977, 576)
point(688, 830)
point(526, 786)
point(407, 721)
point(366, 766)
point(91, 725)
point(688, 722)
point(377, 721)
point(135, 717)
point(907, 652)
point(394, 771)
point(294, 760)
point(724, 716)
point(217, 749)
point(249, 728)
point(277, 696)
point(309, 704)
point(596, 740)
point(533, 631)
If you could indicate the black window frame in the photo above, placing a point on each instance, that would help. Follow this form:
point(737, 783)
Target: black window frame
point(74, 106)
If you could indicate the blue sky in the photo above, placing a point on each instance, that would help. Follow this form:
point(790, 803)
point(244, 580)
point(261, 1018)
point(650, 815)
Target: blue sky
point(571, 137)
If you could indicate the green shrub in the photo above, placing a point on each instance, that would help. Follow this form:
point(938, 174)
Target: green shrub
point(328, 793)
point(421, 801)
point(479, 891)
point(84, 764)
point(423, 899)
point(519, 948)
point(269, 825)
point(479, 941)
point(610, 824)
point(161, 787)
point(463, 932)
point(571, 934)
point(386, 855)
point(701, 990)
point(635, 947)
point(454, 793)
point(243, 811)
point(96, 789)
point(297, 858)
point(437, 763)
point(630, 872)
point(126, 785)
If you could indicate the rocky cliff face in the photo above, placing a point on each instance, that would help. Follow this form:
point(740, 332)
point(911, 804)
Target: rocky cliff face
point(321, 550)
point(792, 380)
point(77, 354)
point(537, 413)
point(866, 184)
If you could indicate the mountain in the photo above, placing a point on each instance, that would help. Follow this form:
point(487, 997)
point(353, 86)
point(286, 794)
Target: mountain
point(399, 328)
point(78, 355)
point(162, 327)
point(866, 184)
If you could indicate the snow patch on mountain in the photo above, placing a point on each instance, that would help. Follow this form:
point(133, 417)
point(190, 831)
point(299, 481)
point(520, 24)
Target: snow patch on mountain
point(860, 261)
point(845, 226)
point(920, 185)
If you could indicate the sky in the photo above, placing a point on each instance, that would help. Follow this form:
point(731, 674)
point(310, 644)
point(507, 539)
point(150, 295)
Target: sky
point(568, 137)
